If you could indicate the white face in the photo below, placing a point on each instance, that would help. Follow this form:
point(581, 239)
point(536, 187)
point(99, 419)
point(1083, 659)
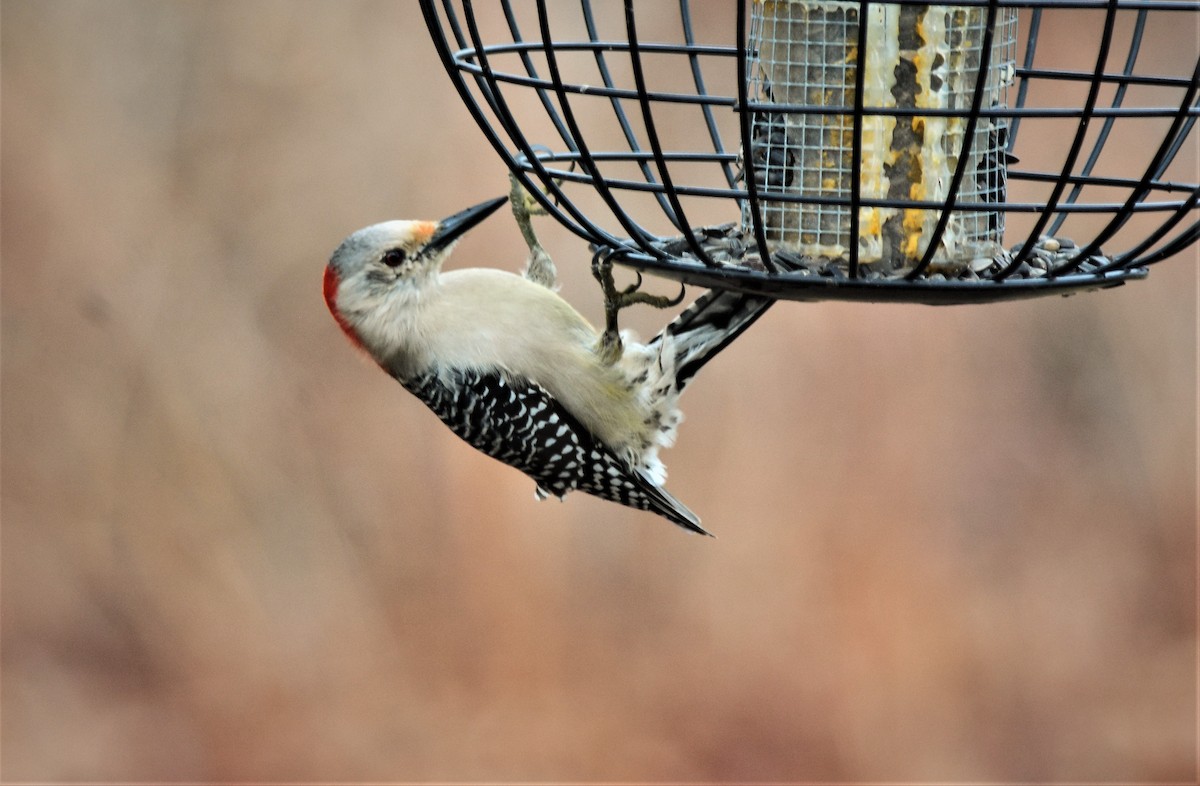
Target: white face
point(382, 254)
point(377, 273)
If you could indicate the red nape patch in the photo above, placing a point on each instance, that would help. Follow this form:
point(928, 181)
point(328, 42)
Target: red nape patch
point(330, 289)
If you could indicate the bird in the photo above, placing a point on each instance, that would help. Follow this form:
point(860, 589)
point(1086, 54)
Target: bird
point(516, 371)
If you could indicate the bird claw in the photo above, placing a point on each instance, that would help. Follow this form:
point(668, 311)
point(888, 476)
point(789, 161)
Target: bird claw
point(630, 295)
point(617, 299)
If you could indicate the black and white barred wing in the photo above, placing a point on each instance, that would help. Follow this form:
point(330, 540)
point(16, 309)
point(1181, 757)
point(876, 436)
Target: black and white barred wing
point(521, 424)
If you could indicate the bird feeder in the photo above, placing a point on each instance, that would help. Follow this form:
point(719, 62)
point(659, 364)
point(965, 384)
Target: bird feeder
point(830, 149)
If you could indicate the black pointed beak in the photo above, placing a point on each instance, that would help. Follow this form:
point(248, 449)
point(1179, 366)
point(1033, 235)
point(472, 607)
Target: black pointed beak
point(453, 227)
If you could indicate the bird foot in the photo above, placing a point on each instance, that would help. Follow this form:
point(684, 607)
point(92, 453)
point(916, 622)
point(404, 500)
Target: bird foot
point(539, 267)
point(615, 300)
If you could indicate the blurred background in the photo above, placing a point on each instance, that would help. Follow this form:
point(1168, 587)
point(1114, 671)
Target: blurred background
point(953, 544)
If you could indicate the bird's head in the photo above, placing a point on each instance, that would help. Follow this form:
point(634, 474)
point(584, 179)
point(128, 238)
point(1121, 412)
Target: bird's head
point(381, 268)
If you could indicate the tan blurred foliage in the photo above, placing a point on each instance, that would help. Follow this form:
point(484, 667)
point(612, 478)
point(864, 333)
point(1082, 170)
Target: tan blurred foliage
point(955, 544)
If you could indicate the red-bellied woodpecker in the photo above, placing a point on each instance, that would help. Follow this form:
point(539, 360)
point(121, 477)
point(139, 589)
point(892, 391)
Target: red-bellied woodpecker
point(515, 370)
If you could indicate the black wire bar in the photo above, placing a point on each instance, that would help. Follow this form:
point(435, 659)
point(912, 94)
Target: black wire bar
point(468, 55)
point(517, 163)
point(491, 62)
point(1089, 106)
point(675, 213)
point(1162, 158)
point(780, 196)
point(617, 107)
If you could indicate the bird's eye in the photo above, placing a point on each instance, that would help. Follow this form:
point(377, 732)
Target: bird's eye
point(394, 257)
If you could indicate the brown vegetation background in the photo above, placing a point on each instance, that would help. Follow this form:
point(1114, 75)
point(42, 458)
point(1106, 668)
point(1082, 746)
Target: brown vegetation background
point(954, 544)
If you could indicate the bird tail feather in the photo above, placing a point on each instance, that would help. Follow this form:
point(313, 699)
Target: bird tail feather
point(707, 326)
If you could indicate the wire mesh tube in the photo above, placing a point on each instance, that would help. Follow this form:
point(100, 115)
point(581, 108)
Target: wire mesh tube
point(804, 56)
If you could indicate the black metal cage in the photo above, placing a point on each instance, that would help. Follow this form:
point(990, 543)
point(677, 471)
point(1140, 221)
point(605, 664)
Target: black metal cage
point(883, 150)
